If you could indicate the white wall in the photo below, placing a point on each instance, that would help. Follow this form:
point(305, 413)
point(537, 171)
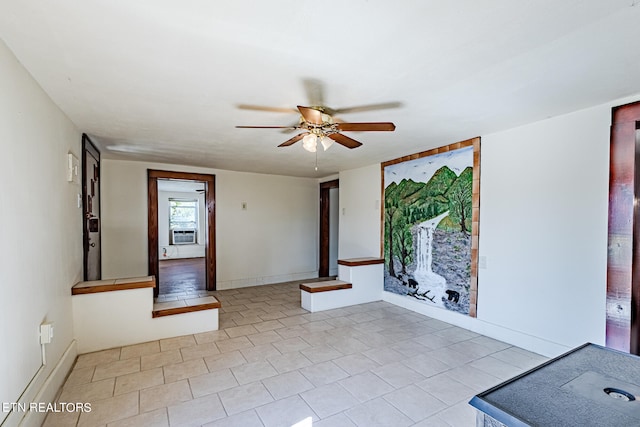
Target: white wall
point(180, 251)
point(114, 319)
point(360, 212)
point(40, 218)
point(543, 227)
point(275, 239)
point(543, 231)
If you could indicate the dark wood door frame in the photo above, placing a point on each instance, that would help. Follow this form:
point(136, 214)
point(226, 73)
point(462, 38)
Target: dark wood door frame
point(623, 259)
point(89, 148)
point(325, 210)
point(152, 209)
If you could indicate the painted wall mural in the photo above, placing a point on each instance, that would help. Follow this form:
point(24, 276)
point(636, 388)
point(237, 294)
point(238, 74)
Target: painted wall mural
point(430, 226)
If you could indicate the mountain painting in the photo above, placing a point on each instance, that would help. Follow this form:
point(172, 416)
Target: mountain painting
point(428, 228)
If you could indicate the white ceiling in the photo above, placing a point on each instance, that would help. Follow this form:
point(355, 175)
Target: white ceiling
point(160, 80)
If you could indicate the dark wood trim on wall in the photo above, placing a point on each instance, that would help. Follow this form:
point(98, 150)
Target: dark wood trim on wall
point(635, 266)
point(325, 210)
point(88, 147)
point(356, 262)
point(623, 255)
point(152, 228)
point(152, 221)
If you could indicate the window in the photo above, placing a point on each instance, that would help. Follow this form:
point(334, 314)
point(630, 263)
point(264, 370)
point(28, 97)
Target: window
point(183, 214)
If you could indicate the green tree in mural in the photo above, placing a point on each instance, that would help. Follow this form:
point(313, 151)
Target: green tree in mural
point(391, 210)
point(404, 244)
point(460, 199)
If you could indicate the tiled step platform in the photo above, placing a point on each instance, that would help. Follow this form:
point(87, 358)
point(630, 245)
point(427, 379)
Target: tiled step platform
point(166, 308)
point(109, 285)
point(325, 295)
point(116, 312)
point(169, 308)
point(325, 286)
point(360, 281)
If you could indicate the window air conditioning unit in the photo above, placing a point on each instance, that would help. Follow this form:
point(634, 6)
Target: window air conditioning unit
point(183, 237)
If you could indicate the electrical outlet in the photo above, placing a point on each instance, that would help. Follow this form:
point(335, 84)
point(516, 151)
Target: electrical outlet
point(482, 262)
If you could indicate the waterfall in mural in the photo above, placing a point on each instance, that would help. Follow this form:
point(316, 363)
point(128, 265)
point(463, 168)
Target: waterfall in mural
point(427, 227)
point(431, 286)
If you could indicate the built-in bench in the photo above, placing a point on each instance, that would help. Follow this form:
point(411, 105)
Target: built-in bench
point(109, 285)
point(188, 305)
point(360, 280)
point(325, 286)
point(116, 312)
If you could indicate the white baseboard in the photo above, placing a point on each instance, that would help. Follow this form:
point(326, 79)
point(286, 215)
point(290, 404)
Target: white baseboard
point(510, 336)
point(266, 280)
point(43, 391)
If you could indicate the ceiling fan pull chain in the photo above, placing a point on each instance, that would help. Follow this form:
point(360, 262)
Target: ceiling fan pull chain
point(316, 159)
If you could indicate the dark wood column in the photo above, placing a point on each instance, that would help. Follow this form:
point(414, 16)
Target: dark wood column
point(623, 259)
point(323, 263)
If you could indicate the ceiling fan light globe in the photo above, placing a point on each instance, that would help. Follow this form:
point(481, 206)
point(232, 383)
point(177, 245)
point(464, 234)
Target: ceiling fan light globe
point(309, 143)
point(326, 142)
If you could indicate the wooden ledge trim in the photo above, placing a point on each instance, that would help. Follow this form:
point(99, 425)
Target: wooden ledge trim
point(354, 262)
point(110, 285)
point(186, 309)
point(330, 285)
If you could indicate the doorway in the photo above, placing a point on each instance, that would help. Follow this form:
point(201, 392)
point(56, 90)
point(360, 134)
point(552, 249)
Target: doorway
point(329, 207)
point(91, 229)
point(182, 221)
point(181, 230)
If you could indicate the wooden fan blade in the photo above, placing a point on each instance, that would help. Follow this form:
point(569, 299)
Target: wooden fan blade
point(291, 128)
point(263, 108)
point(345, 140)
point(371, 107)
point(375, 126)
point(310, 115)
point(293, 140)
point(266, 127)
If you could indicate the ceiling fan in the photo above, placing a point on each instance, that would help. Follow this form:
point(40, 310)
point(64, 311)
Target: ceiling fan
point(318, 122)
point(318, 125)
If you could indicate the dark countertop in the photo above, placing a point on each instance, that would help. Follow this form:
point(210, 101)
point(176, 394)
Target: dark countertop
point(568, 391)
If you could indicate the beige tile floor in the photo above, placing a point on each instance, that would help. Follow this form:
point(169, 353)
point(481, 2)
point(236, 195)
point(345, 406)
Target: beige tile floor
point(275, 364)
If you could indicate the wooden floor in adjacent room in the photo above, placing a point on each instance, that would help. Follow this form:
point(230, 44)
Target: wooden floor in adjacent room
point(185, 275)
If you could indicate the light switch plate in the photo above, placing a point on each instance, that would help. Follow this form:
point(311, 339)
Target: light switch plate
point(73, 169)
point(46, 333)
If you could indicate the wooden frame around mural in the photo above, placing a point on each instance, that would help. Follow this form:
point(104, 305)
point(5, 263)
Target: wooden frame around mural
point(475, 220)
